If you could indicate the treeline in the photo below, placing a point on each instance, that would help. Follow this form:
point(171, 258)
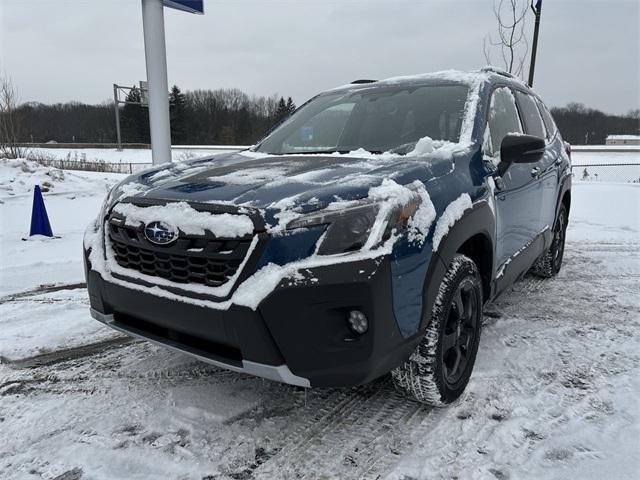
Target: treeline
point(230, 116)
point(200, 117)
point(581, 125)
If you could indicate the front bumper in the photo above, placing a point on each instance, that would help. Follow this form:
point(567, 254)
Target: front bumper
point(279, 373)
point(297, 335)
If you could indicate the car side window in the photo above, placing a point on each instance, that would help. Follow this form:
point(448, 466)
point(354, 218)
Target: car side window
point(548, 119)
point(503, 118)
point(531, 115)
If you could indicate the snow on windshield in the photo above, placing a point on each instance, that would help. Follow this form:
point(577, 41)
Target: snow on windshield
point(393, 116)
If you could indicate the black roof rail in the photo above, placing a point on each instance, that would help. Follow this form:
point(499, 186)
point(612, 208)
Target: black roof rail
point(498, 71)
point(362, 81)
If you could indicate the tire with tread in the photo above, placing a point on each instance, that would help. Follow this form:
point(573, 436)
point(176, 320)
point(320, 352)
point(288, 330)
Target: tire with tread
point(427, 376)
point(549, 264)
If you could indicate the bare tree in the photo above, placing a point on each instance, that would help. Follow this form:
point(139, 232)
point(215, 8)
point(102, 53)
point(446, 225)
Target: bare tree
point(511, 42)
point(9, 121)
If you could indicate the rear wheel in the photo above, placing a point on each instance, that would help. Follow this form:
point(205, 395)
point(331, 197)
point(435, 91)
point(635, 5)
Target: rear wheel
point(439, 370)
point(549, 264)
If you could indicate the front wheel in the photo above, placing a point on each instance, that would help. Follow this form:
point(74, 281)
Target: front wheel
point(439, 370)
point(548, 265)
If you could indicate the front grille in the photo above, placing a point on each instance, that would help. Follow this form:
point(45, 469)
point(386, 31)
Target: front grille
point(205, 260)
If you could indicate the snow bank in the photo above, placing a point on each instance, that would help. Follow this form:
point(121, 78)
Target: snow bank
point(72, 200)
point(128, 155)
point(18, 177)
point(449, 217)
point(187, 219)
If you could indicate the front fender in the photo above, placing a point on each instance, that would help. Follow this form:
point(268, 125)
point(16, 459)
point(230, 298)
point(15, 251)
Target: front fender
point(479, 223)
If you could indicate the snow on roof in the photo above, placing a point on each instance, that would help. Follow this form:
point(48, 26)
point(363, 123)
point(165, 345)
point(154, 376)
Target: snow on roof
point(468, 78)
point(445, 75)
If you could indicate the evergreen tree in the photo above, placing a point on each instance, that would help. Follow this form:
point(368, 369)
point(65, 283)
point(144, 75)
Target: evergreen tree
point(135, 119)
point(177, 111)
point(282, 111)
point(291, 107)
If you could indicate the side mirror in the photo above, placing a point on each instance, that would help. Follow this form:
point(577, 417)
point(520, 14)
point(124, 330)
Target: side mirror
point(519, 148)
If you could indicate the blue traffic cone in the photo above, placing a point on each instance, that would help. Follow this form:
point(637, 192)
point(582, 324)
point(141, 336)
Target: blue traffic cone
point(39, 220)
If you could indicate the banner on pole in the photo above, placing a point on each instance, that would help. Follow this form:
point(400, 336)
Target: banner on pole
point(190, 6)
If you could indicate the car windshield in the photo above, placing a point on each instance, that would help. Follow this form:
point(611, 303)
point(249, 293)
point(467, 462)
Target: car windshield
point(380, 119)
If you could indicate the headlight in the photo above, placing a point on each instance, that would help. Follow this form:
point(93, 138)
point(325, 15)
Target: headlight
point(363, 226)
point(125, 188)
point(348, 230)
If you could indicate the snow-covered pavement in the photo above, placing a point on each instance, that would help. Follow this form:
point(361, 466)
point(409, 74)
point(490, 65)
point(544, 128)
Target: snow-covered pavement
point(554, 393)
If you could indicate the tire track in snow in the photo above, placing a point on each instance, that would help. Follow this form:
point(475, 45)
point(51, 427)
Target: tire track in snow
point(46, 288)
point(541, 398)
point(361, 431)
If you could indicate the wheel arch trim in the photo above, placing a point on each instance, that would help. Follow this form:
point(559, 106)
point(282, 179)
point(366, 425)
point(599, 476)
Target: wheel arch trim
point(478, 221)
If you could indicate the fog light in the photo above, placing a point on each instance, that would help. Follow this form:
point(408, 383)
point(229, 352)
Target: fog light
point(358, 322)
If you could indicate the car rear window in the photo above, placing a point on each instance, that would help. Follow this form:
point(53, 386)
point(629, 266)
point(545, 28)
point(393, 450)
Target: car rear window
point(531, 115)
point(548, 119)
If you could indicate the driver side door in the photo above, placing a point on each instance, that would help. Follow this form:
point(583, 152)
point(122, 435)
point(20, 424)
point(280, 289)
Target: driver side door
point(518, 200)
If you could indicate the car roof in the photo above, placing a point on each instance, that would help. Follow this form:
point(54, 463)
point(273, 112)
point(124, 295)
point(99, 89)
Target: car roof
point(485, 75)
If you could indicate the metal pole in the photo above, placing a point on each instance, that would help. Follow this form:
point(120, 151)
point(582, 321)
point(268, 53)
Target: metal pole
point(156, 59)
point(537, 10)
point(116, 104)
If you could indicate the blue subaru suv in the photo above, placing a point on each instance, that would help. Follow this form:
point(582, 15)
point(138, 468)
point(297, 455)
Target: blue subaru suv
point(361, 237)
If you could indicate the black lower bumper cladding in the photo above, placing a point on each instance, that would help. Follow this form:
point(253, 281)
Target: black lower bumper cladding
point(298, 335)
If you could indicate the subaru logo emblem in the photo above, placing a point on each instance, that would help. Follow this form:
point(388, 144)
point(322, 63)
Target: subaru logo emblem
point(160, 233)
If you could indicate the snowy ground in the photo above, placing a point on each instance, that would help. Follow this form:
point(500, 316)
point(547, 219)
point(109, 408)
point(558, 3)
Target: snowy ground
point(554, 394)
point(127, 155)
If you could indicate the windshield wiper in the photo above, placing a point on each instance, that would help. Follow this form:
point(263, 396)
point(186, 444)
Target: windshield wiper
point(320, 152)
point(310, 152)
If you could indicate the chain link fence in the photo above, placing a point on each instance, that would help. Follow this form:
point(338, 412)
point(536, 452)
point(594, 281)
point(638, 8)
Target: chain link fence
point(106, 167)
point(607, 172)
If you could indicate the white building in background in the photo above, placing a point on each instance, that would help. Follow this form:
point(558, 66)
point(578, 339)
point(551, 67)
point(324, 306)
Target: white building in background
point(623, 140)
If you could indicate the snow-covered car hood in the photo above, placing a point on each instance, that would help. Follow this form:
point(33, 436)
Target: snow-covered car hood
point(304, 183)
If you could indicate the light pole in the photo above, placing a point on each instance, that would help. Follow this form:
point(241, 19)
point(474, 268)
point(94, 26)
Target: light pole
point(117, 108)
point(155, 53)
point(156, 61)
point(537, 10)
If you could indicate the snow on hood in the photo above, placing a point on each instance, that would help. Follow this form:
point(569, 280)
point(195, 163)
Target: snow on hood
point(250, 293)
point(295, 183)
point(192, 222)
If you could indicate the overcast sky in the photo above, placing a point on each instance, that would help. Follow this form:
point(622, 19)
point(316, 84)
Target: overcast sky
point(62, 50)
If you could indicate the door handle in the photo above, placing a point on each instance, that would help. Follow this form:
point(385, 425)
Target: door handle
point(535, 171)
